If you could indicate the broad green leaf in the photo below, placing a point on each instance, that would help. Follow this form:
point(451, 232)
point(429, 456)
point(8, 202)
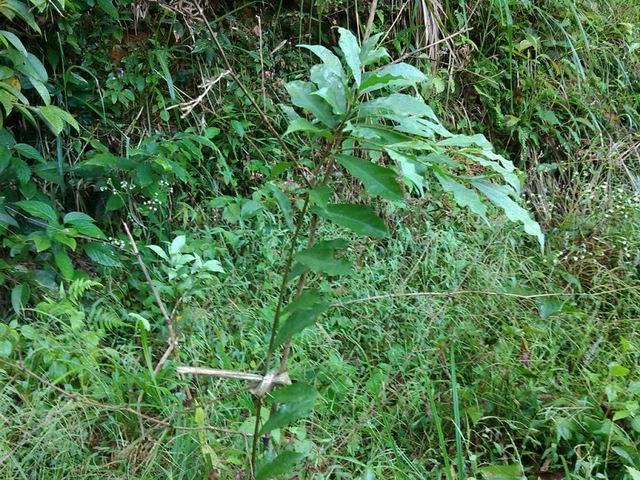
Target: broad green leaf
point(42, 90)
point(369, 54)
point(158, 251)
point(38, 209)
point(319, 196)
point(280, 465)
point(635, 474)
point(77, 217)
point(405, 75)
point(330, 88)
point(463, 196)
point(88, 229)
point(301, 94)
point(298, 320)
point(5, 156)
point(6, 348)
point(349, 46)
point(213, 266)
point(295, 401)
point(398, 104)
point(375, 79)
point(27, 151)
point(177, 244)
point(617, 370)
point(377, 180)
point(466, 141)
point(303, 125)
point(114, 202)
point(56, 118)
point(328, 58)
point(15, 41)
point(409, 168)
point(63, 262)
point(320, 258)
point(19, 296)
point(101, 254)
point(40, 240)
point(512, 210)
point(501, 472)
point(358, 218)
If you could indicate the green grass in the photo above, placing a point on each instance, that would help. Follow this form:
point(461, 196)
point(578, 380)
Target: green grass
point(515, 381)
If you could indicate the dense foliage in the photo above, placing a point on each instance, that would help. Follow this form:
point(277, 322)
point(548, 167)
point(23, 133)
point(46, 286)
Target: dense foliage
point(185, 186)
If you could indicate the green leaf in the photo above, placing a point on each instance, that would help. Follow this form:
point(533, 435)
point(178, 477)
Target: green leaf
point(501, 472)
point(635, 474)
point(56, 118)
point(296, 401)
point(377, 180)
point(330, 88)
point(319, 196)
point(301, 94)
point(27, 151)
point(465, 197)
point(38, 209)
point(42, 90)
point(369, 54)
point(403, 74)
point(303, 125)
point(40, 240)
point(88, 229)
point(101, 254)
point(375, 80)
point(280, 465)
point(283, 203)
point(358, 218)
point(398, 104)
point(15, 41)
point(617, 370)
point(328, 58)
point(320, 258)
point(159, 251)
point(349, 45)
point(115, 202)
point(6, 348)
point(75, 218)
point(19, 297)
point(63, 262)
point(5, 156)
point(512, 210)
point(177, 244)
point(300, 318)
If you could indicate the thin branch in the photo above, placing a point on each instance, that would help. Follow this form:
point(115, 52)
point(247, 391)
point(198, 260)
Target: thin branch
point(156, 295)
point(426, 47)
point(452, 293)
point(372, 16)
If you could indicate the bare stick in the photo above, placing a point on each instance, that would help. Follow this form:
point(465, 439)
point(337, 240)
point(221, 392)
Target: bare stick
point(372, 16)
point(426, 47)
point(471, 292)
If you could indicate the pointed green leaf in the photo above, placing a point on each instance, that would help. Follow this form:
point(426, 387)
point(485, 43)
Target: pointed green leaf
point(27, 151)
point(19, 296)
point(512, 210)
point(75, 218)
point(280, 465)
point(295, 401)
point(38, 209)
point(404, 75)
point(330, 88)
point(377, 180)
point(298, 320)
point(501, 472)
point(101, 254)
point(15, 41)
point(177, 244)
point(63, 262)
point(465, 197)
point(398, 104)
point(320, 258)
point(328, 58)
point(283, 203)
point(349, 46)
point(301, 94)
point(369, 54)
point(303, 125)
point(358, 218)
point(159, 251)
